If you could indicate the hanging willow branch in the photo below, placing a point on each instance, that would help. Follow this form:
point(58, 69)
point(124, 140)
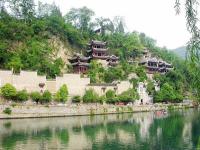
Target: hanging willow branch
point(193, 47)
point(191, 7)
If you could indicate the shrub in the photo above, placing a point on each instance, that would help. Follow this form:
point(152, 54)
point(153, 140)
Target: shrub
point(76, 99)
point(140, 71)
point(102, 99)
point(46, 97)
point(128, 96)
point(7, 110)
point(36, 96)
point(8, 91)
point(90, 96)
point(22, 95)
point(62, 94)
point(110, 96)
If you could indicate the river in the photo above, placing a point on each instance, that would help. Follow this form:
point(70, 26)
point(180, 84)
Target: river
point(178, 130)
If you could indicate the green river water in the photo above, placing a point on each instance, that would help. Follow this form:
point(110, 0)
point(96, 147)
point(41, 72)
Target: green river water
point(179, 130)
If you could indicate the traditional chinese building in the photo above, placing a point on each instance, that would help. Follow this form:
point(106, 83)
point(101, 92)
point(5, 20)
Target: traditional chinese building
point(154, 65)
point(80, 63)
point(112, 60)
point(97, 50)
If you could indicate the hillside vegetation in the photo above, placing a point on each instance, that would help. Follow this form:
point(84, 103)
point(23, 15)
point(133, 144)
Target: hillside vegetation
point(27, 31)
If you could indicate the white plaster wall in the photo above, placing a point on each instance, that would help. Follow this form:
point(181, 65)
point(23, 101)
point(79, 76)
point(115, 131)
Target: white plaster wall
point(28, 80)
point(5, 77)
point(51, 86)
point(123, 86)
point(76, 85)
point(99, 89)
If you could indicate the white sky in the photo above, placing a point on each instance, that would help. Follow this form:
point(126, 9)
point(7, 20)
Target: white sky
point(156, 18)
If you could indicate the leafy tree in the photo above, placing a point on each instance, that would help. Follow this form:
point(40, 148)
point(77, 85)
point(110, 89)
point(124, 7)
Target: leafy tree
point(105, 24)
point(80, 17)
point(90, 96)
point(15, 63)
point(119, 24)
point(62, 94)
point(24, 9)
point(46, 97)
point(8, 91)
point(167, 94)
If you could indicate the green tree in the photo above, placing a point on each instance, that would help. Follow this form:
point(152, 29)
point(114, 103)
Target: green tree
point(80, 17)
point(8, 91)
point(105, 24)
point(119, 24)
point(193, 48)
point(15, 63)
point(62, 94)
point(24, 9)
point(46, 97)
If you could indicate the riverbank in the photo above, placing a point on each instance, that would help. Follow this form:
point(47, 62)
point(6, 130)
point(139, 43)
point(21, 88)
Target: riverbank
point(40, 111)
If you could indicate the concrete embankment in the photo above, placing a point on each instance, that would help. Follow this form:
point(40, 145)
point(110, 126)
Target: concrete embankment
point(39, 111)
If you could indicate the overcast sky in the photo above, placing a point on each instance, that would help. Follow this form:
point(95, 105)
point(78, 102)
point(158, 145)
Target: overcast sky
point(156, 18)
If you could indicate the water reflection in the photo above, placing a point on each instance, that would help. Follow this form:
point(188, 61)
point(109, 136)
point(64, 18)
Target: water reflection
point(179, 130)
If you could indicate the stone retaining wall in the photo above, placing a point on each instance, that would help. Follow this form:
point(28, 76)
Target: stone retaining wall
point(33, 111)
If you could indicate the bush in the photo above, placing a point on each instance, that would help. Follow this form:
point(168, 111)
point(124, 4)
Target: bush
point(62, 94)
point(102, 99)
point(140, 71)
point(110, 96)
point(36, 96)
point(46, 97)
point(8, 91)
point(128, 96)
point(22, 95)
point(7, 110)
point(90, 96)
point(76, 99)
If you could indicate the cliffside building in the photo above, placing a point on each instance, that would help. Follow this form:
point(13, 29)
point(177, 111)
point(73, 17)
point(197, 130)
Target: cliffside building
point(97, 50)
point(112, 60)
point(153, 64)
point(80, 63)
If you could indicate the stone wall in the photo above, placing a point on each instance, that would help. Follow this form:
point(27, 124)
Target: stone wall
point(101, 89)
point(76, 85)
point(30, 81)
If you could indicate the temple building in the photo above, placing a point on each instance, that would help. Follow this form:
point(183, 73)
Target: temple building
point(112, 60)
point(97, 50)
point(80, 63)
point(154, 65)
